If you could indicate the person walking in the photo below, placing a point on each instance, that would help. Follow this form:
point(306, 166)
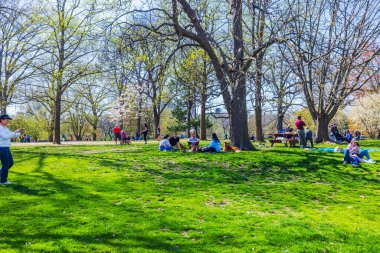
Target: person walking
point(301, 132)
point(117, 131)
point(145, 132)
point(5, 142)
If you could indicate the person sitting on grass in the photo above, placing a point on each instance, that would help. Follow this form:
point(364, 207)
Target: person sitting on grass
point(353, 154)
point(335, 132)
point(348, 136)
point(165, 144)
point(214, 146)
point(193, 140)
point(358, 135)
point(174, 140)
point(125, 139)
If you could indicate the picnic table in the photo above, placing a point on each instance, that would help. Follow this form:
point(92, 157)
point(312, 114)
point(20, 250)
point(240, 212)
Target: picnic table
point(284, 138)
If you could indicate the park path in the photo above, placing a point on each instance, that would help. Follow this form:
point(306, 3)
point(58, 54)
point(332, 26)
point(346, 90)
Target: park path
point(72, 143)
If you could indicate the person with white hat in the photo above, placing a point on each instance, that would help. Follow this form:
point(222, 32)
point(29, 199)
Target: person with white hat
point(5, 142)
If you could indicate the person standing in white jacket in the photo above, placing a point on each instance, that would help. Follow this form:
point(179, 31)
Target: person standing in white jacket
point(5, 142)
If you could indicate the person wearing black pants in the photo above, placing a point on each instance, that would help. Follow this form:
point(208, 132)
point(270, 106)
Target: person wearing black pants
point(145, 132)
point(309, 137)
point(5, 142)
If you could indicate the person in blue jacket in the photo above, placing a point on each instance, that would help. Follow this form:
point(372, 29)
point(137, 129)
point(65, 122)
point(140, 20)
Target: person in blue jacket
point(213, 147)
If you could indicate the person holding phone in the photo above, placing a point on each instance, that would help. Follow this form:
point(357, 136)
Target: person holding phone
point(5, 142)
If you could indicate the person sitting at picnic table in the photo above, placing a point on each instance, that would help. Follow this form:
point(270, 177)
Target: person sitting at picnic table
point(309, 137)
point(301, 132)
point(174, 140)
point(353, 154)
point(214, 146)
point(165, 144)
point(193, 140)
point(289, 129)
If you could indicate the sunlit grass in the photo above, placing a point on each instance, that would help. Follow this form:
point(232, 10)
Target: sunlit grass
point(137, 199)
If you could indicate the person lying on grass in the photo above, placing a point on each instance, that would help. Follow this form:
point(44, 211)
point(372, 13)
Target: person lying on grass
point(353, 154)
point(214, 146)
point(165, 144)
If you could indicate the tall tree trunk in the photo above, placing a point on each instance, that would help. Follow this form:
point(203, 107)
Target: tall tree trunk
point(51, 129)
point(138, 121)
point(280, 122)
point(57, 119)
point(280, 115)
point(1, 96)
point(203, 113)
point(51, 133)
point(95, 128)
point(4, 94)
point(258, 98)
point(156, 118)
point(3, 107)
point(239, 119)
point(322, 129)
point(238, 107)
point(190, 103)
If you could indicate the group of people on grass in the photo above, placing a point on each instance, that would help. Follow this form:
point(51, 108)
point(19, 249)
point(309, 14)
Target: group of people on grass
point(352, 154)
point(347, 136)
point(121, 135)
point(173, 143)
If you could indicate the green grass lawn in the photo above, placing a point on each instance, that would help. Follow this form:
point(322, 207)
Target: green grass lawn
point(137, 199)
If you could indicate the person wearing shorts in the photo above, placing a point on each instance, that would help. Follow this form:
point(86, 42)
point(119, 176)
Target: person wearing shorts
point(117, 132)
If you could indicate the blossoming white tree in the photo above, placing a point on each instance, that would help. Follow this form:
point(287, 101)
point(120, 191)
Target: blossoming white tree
point(127, 107)
point(366, 113)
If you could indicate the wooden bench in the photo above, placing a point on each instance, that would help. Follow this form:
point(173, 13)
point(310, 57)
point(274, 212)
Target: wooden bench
point(284, 138)
point(273, 141)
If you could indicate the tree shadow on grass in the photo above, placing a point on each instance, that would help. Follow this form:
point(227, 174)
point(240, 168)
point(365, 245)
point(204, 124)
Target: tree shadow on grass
point(328, 161)
point(51, 185)
point(306, 166)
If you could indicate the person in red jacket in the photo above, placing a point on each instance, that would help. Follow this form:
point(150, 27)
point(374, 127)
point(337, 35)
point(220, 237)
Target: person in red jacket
point(116, 131)
point(301, 131)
